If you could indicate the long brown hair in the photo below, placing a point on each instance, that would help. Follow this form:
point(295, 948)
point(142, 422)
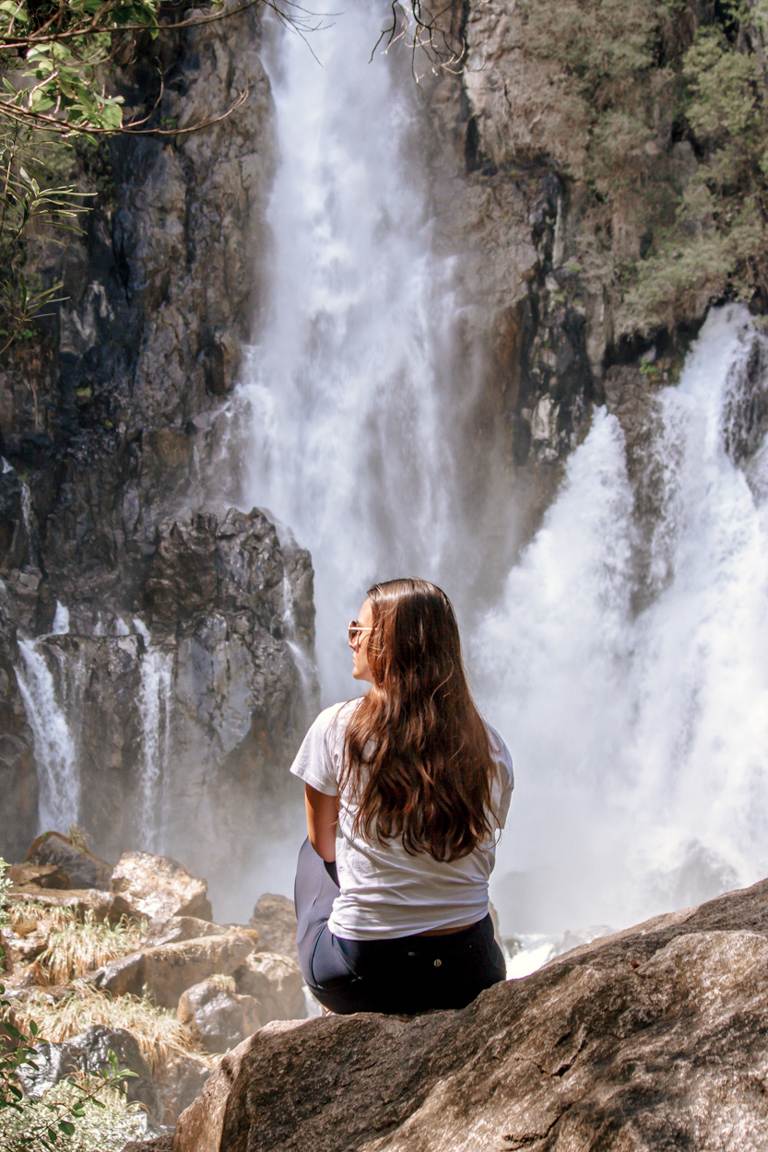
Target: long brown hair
point(417, 758)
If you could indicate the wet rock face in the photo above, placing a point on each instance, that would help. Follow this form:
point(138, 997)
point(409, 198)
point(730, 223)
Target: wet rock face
point(648, 1039)
point(110, 503)
point(90, 1053)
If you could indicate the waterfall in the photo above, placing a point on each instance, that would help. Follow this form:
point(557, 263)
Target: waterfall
point(155, 703)
point(54, 745)
point(60, 626)
point(642, 735)
point(349, 405)
point(302, 660)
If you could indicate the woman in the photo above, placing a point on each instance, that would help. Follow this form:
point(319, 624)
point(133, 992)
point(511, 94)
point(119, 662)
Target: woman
point(406, 789)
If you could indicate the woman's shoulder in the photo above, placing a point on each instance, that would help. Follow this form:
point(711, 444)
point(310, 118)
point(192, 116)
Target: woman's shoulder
point(499, 749)
point(335, 716)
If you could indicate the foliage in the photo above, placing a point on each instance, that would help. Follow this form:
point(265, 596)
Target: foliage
point(102, 1119)
point(37, 201)
point(64, 1118)
point(672, 116)
point(78, 946)
point(157, 1031)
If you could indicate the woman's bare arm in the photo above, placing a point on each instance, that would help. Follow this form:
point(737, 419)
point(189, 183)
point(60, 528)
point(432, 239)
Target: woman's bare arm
point(322, 817)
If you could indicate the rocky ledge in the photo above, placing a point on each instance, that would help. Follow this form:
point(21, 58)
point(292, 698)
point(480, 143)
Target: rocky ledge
point(650, 1039)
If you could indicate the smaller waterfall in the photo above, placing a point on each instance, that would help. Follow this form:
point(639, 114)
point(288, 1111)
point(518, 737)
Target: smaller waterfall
point(302, 659)
point(641, 734)
point(54, 745)
point(6, 467)
point(155, 700)
point(60, 625)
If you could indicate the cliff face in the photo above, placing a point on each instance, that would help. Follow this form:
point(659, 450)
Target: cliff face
point(650, 1039)
point(579, 157)
point(177, 663)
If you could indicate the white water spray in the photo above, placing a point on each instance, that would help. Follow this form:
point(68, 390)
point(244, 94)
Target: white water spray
point(54, 744)
point(60, 626)
point(350, 432)
point(641, 739)
point(155, 702)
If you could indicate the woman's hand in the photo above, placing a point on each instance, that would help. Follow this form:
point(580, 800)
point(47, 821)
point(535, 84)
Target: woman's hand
point(322, 818)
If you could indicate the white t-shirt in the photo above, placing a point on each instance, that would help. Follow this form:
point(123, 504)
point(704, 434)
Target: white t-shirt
point(385, 892)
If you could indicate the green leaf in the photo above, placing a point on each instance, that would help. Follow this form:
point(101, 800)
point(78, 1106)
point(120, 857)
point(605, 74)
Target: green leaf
point(15, 11)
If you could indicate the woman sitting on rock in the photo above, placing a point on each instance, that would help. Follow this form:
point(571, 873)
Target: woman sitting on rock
point(406, 790)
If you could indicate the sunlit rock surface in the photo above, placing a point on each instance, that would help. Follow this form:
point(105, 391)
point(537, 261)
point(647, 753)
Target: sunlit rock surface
point(649, 1039)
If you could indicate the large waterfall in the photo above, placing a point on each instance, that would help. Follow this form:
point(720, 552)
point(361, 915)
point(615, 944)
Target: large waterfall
point(624, 665)
point(354, 417)
point(641, 734)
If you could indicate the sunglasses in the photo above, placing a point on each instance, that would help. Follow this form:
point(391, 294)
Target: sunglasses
point(354, 629)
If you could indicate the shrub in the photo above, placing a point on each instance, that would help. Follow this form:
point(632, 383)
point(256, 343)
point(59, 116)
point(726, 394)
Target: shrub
point(95, 1116)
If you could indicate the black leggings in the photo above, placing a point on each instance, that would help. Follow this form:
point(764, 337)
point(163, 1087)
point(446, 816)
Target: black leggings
point(406, 975)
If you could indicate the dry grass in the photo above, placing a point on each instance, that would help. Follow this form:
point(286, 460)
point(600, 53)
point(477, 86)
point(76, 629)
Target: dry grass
point(78, 946)
point(45, 917)
point(157, 1031)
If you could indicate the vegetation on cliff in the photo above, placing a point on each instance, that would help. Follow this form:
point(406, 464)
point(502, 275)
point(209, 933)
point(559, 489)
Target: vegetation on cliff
point(668, 101)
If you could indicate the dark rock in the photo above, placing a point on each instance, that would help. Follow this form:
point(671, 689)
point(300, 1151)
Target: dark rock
point(649, 1039)
point(76, 867)
point(90, 1053)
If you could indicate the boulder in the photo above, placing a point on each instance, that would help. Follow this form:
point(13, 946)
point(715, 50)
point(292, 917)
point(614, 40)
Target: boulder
point(169, 969)
point(217, 1015)
point(650, 1039)
point(276, 983)
point(178, 1080)
point(178, 928)
point(81, 900)
point(147, 885)
point(275, 918)
point(89, 1052)
point(75, 867)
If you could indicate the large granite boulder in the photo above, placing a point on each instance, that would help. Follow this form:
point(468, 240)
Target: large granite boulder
point(147, 885)
point(649, 1039)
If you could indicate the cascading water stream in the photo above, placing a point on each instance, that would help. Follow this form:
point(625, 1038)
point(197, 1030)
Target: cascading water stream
point(48, 711)
point(155, 703)
point(642, 737)
point(350, 432)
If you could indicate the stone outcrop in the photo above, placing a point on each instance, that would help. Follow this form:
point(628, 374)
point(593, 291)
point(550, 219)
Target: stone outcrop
point(73, 866)
point(648, 1039)
point(155, 886)
point(169, 969)
point(115, 495)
